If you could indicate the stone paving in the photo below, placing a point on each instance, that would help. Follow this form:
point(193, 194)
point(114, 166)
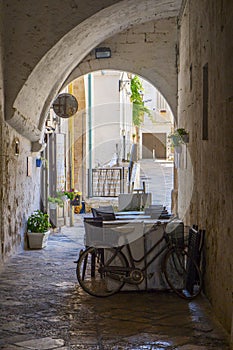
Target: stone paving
point(43, 307)
point(158, 177)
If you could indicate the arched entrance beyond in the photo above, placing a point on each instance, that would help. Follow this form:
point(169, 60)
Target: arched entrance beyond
point(34, 99)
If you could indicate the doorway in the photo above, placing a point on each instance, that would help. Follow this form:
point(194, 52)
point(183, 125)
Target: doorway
point(154, 145)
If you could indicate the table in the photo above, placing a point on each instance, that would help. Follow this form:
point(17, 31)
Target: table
point(132, 201)
point(132, 217)
point(151, 234)
point(141, 234)
point(130, 212)
point(147, 221)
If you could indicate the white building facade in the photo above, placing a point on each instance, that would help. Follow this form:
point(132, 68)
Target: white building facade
point(111, 129)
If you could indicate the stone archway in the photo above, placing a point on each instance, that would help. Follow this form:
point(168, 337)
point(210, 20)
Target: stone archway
point(33, 100)
point(148, 50)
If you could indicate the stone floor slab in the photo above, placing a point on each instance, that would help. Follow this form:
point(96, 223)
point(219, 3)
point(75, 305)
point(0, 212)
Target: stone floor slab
point(42, 343)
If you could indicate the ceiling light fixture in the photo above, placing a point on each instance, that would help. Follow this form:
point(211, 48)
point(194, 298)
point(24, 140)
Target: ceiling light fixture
point(102, 52)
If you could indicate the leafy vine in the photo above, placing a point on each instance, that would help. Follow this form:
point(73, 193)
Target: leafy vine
point(136, 98)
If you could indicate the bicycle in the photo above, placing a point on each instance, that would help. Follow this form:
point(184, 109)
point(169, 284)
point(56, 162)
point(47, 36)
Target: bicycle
point(103, 271)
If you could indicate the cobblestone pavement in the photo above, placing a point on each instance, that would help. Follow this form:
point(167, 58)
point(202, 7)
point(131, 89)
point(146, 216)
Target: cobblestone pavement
point(158, 177)
point(43, 307)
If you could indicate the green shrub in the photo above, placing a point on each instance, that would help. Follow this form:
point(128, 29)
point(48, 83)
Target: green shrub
point(38, 222)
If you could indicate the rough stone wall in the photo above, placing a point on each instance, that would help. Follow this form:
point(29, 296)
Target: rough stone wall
point(206, 174)
point(19, 193)
point(1, 136)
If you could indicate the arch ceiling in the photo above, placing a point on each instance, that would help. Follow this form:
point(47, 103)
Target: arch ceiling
point(33, 100)
point(154, 59)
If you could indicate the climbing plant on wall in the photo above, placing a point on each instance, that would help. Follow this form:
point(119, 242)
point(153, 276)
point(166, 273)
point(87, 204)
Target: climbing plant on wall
point(137, 99)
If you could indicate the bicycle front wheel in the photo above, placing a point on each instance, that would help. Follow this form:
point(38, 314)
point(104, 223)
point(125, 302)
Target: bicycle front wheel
point(92, 276)
point(182, 274)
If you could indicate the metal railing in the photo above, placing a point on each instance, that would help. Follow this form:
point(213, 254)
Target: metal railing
point(109, 182)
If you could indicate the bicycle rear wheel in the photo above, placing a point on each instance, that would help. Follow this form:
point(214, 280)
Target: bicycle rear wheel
point(182, 274)
point(91, 275)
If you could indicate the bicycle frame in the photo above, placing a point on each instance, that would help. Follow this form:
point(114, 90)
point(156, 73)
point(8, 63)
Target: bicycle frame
point(132, 260)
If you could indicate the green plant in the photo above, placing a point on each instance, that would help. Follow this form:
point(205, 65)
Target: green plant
point(177, 137)
point(56, 200)
point(71, 194)
point(38, 222)
point(136, 98)
point(181, 131)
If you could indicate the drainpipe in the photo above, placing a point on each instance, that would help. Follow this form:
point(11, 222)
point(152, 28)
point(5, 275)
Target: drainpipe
point(90, 135)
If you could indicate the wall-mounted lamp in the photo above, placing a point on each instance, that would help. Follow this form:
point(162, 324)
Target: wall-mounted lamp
point(16, 147)
point(102, 52)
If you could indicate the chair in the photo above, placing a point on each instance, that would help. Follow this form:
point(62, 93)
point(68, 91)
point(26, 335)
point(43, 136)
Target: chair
point(195, 247)
point(106, 216)
point(93, 231)
point(154, 211)
point(106, 208)
point(175, 230)
point(195, 243)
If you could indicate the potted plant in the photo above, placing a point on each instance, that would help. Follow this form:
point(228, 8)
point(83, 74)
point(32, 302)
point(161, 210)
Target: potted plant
point(184, 135)
point(54, 201)
point(70, 194)
point(178, 137)
point(74, 196)
point(38, 229)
